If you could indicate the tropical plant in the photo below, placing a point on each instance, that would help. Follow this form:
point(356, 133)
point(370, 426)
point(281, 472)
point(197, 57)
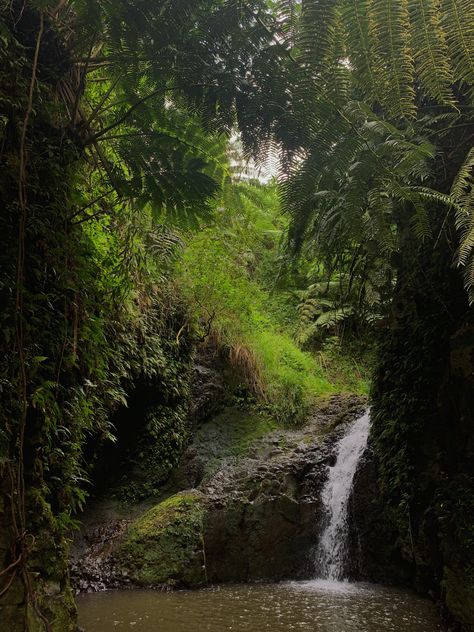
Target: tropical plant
point(111, 115)
point(339, 304)
point(383, 96)
point(228, 273)
point(111, 122)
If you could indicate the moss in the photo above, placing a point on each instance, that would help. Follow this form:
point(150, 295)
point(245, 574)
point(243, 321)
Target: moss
point(422, 430)
point(165, 545)
point(245, 428)
point(59, 606)
point(459, 595)
point(54, 602)
point(230, 434)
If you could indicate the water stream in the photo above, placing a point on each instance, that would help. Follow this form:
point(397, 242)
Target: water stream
point(333, 544)
point(325, 604)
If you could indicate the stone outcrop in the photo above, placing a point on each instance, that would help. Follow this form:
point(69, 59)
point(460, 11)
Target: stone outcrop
point(248, 509)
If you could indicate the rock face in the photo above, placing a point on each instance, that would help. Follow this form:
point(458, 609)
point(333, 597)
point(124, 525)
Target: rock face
point(261, 519)
point(375, 554)
point(208, 391)
point(249, 509)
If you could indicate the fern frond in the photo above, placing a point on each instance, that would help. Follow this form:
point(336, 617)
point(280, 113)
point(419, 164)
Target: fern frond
point(428, 42)
point(463, 183)
point(333, 317)
point(390, 28)
point(462, 192)
point(316, 39)
point(355, 18)
point(458, 24)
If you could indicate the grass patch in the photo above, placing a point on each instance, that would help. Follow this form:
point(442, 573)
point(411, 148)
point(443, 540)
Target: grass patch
point(227, 273)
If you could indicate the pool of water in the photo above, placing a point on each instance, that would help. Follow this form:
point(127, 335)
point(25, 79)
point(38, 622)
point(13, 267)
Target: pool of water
point(321, 606)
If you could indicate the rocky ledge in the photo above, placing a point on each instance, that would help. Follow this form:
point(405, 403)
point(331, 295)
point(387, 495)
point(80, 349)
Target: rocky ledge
point(243, 505)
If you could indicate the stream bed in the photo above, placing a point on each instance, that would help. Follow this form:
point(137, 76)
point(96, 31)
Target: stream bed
point(317, 606)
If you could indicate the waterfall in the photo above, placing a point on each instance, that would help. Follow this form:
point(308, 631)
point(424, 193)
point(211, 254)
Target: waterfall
point(333, 544)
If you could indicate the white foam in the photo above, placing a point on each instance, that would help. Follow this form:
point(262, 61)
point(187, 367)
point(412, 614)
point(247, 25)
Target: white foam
point(332, 548)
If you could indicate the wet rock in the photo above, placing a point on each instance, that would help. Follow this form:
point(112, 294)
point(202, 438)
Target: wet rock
point(374, 546)
point(253, 513)
point(91, 566)
point(208, 392)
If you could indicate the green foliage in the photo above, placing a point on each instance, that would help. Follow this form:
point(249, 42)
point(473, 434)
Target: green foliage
point(87, 307)
point(105, 117)
point(339, 303)
point(372, 124)
point(113, 125)
point(462, 195)
point(229, 272)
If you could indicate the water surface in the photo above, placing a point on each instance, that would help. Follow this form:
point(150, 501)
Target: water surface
point(316, 606)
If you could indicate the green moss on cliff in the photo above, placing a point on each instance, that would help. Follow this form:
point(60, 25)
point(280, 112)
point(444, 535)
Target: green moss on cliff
point(458, 588)
point(423, 433)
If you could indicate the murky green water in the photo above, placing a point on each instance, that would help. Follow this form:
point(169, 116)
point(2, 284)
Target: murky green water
point(304, 606)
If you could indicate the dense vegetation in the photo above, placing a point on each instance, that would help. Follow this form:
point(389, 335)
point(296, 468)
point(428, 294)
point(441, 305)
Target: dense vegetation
point(128, 242)
point(230, 273)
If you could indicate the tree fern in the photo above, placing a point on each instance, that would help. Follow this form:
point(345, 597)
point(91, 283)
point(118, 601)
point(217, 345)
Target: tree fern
point(164, 79)
point(316, 36)
point(368, 155)
point(458, 22)
point(390, 28)
point(429, 45)
point(355, 17)
point(462, 192)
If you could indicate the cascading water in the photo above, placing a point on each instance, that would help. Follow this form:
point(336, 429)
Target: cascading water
point(306, 606)
point(333, 544)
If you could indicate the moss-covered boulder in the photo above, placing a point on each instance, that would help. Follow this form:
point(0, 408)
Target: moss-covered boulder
point(165, 545)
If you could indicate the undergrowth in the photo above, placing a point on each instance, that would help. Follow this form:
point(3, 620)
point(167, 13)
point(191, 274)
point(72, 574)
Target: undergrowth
point(230, 274)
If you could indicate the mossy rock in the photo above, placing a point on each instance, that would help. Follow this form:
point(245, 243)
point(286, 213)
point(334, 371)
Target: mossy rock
point(229, 435)
point(165, 545)
point(55, 602)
